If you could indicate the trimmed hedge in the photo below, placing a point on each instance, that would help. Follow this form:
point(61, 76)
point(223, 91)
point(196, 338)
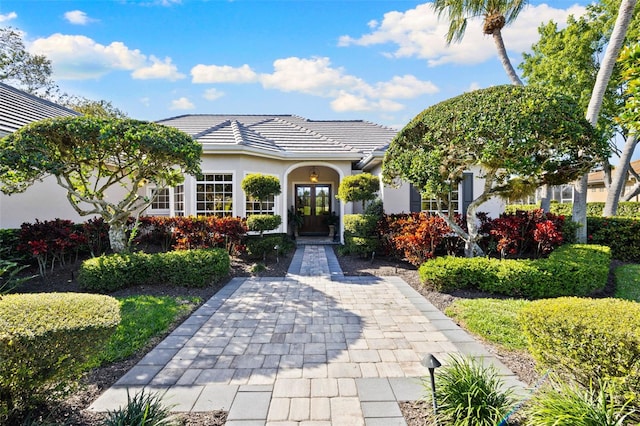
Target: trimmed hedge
point(621, 234)
point(360, 234)
point(189, 268)
point(587, 339)
point(595, 209)
point(571, 270)
point(44, 341)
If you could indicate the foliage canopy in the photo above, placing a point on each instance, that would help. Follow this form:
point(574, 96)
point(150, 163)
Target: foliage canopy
point(360, 187)
point(89, 155)
point(261, 186)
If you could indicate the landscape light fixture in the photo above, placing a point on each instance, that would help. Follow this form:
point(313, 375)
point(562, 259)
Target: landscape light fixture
point(313, 176)
point(431, 362)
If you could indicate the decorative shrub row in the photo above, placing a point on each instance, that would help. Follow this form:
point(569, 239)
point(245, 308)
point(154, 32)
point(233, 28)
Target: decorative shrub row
point(258, 246)
point(621, 234)
point(595, 209)
point(189, 268)
point(44, 340)
point(587, 339)
point(571, 270)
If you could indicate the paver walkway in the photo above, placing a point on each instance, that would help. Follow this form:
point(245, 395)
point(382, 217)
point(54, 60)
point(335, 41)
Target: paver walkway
point(314, 348)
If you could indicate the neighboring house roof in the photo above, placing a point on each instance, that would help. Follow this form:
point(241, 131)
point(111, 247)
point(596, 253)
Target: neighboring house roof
point(18, 108)
point(598, 177)
point(285, 136)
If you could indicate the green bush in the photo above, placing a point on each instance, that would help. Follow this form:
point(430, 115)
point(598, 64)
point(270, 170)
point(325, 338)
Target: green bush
point(571, 270)
point(263, 246)
point(586, 339)
point(621, 234)
point(360, 234)
point(562, 404)
point(263, 222)
point(144, 409)
point(45, 339)
point(470, 394)
point(189, 268)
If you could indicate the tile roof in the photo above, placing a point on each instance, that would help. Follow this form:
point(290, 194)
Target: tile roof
point(18, 108)
point(598, 177)
point(286, 134)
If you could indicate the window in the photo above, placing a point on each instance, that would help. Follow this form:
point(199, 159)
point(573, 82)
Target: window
point(160, 198)
point(214, 195)
point(430, 205)
point(178, 200)
point(254, 206)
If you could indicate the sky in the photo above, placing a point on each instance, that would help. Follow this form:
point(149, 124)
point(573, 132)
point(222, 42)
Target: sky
point(380, 61)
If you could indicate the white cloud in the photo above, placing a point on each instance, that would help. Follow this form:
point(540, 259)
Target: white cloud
point(419, 33)
point(8, 17)
point(145, 101)
point(223, 74)
point(316, 76)
point(77, 57)
point(158, 70)
point(474, 86)
point(212, 94)
point(182, 103)
point(77, 17)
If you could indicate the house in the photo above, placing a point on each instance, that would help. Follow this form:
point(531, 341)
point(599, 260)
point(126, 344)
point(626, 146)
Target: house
point(596, 189)
point(309, 157)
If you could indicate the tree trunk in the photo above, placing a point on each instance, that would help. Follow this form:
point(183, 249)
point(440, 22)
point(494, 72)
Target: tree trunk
point(620, 176)
point(545, 200)
point(625, 13)
point(504, 58)
point(118, 237)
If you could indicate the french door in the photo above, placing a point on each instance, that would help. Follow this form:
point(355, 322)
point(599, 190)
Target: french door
point(314, 202)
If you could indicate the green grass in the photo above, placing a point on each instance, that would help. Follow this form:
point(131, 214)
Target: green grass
point(143, 317)
point(628, 282)
point(492, 319)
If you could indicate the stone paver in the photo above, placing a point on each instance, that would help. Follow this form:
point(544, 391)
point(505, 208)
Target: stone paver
point(314, 347)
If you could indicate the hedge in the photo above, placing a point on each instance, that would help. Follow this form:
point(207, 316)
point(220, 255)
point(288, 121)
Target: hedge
point(44, 341)
point(586, 339)
point(189, 268)
point(571, 270)
point(625, 208)
point(621, 234)
point(360, 234)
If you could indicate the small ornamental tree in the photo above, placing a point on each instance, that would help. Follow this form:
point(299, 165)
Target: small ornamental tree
point(361, 187)
point(88, 156)
point(262, 187)
point(519, 137)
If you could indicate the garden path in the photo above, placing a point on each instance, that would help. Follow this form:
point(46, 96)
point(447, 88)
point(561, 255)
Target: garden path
point(315, 347)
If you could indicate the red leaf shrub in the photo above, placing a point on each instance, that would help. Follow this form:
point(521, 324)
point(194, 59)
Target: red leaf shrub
point(415, 236)
point(523, 233)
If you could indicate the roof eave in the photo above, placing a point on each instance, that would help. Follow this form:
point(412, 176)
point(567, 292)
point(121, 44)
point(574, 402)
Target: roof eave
point(211, 148)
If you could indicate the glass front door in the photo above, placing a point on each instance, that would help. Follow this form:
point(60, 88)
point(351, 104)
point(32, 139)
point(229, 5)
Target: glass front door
point(314, 202)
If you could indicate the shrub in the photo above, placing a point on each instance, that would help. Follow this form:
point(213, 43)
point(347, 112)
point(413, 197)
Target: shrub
point(44, 341)
point(523, 232)
point(586, 339)
point(360, 234)
point(416, 236)
point(561, 404)
point(189, 268)
point(470, 394)
point(261, 247)
point(144, 409)
point(263, 222)
point(574, 269)
point(622, 235)
point(209, 231)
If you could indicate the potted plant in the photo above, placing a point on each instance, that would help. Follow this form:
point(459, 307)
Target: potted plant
point(295, 220)
point(332, 220)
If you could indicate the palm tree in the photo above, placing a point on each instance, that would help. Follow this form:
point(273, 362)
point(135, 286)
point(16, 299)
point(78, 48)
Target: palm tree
point(496, 13)
point(625, 13)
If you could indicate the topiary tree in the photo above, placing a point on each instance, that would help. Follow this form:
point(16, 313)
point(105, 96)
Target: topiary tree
point(262, 187)
point(88, 156)
point(519, 137)
point(361, 187)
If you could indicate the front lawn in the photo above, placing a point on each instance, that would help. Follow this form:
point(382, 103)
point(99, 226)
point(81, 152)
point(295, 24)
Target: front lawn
point(628, 282)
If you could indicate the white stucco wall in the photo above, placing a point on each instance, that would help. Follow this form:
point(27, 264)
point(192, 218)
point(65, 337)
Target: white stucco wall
point(44, 200)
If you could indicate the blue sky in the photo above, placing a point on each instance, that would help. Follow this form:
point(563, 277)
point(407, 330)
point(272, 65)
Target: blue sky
point(382, 61)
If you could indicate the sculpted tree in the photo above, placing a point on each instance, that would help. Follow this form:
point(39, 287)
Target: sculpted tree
point(519, 137)
point(88, 156)
point(361, 187)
